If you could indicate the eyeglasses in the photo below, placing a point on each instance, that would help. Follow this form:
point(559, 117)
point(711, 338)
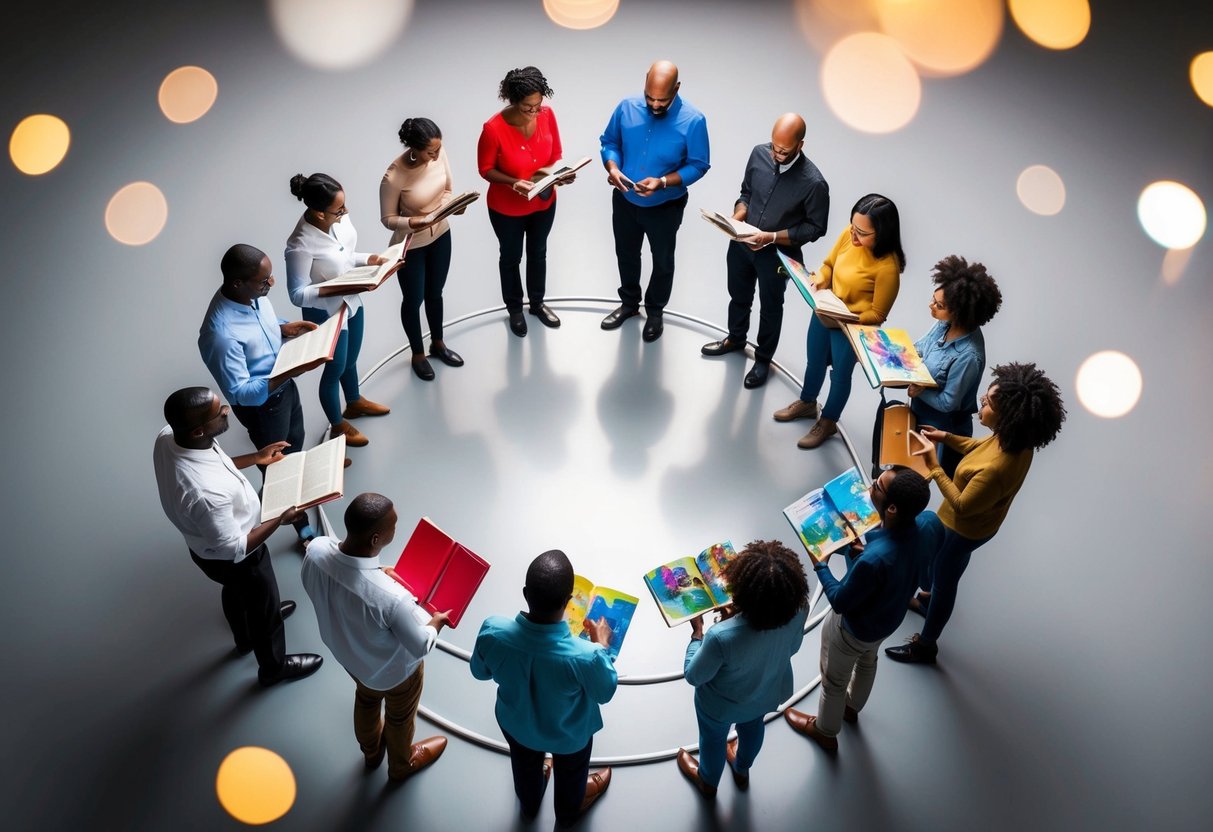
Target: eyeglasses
point(860, 232)
point(340, 212)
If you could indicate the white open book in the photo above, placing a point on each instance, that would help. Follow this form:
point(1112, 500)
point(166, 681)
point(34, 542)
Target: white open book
point(304, 479)
point(311, 349)
point(367, 278)
point(733, 228)
point(457, 203)
point(828, 306)
point(554, 173)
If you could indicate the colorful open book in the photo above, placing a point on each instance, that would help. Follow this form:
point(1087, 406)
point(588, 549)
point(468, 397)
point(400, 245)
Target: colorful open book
point(442, 573)
point(825, 303)
point(691, 586)
point(592, 603)
point(888, 356)
point(829, 518)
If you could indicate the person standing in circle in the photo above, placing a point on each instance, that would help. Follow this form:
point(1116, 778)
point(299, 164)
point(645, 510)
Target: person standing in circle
point(417, 183)
point(321, 247)
point(514, 144)
point(864, 270)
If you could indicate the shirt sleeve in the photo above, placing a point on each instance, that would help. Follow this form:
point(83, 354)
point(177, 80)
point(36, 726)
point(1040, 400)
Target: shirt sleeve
point(487, 149)
point(450, 189)
point(888, 282)
point(299, 286)
point(981, 493)
point(962, 374)
point(855, 588)
point(599, 676)
point(213, 517)
point(827, 265)
point(389, 205)
point(747, 185)
point(612, 139)
point(557, 146)
point(698, 153)
point(417, 639)
point(816, 211)
point(703, 660)
point(224, 357)
point(479, 663)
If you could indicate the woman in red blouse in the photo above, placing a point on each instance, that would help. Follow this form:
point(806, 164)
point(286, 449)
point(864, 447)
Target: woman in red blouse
point(515, 144)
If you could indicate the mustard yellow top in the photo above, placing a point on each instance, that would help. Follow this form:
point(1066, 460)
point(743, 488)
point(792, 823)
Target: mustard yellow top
point(866, 284)
point(978, 496)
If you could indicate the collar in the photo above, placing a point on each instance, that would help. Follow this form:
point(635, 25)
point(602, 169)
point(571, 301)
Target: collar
point(553, 629)
point(366, 564)
point(784, 168)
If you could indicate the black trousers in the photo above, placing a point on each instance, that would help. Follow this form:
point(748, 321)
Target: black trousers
point(514, 233)
point(251, 605)
point(632, 224)
point(568, 770)
point(281, 417)
point(422, 278)
point(747, 268)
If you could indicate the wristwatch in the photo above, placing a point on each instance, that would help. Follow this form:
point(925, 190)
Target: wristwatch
point(664, 184)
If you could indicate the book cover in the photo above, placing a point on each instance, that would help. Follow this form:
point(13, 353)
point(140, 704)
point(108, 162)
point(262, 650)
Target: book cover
point(464, 572)
point(819, 526)
point(424, 557)
point(822, 301)
point(851, 497)
point(592, 603)
point(888, 357)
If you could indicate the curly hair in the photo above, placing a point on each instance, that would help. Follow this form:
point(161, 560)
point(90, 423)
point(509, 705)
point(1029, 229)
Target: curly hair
point(768, 584)
point(520, 83)
point(969, 292)
point(1028, 410)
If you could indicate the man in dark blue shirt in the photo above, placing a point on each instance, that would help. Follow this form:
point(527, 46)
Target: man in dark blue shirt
point(785, 197)
point(869, 604)
point(653, 147)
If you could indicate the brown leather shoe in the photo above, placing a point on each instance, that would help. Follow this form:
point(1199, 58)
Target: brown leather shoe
point(595, 786)
point(364, 407)
point(422, 754)
point(689, 766)
point(353, 436)
point(807, 724)
point(823, 430)
point(797, 410)
point(742, 781)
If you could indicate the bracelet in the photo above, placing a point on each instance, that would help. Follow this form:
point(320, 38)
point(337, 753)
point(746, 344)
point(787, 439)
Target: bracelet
point(664, 184)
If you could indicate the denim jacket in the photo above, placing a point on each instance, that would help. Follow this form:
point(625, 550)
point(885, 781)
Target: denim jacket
point(956, 366)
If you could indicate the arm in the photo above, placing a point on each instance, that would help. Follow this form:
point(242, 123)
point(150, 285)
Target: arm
point(853, 590)
point(268, 455)
point(598, 676)
point(557, 146)
point(479, 664)
point(389, 206)
point(962, 374)
point(983, 490)
point(488, 155)
point(703, 661)
point(816, 206)
point(888, 282)
point(611, 141)
point(825, 275)
point(299, 284)
point(741, 208)
point(698, 156)
point(417, 639)
point(225, 359)
point(216, 524)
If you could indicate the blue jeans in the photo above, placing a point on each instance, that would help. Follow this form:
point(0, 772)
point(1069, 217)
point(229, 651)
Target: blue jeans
point(830, 347)
point(948, 566)
point(340, 374)
point(712, 738)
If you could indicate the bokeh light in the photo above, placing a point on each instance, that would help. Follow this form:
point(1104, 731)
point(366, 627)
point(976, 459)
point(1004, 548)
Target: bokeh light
point(255, 785)
point(39, 143)
point(825, 22)
point(187, 93)
point(1041, 190)
point(1109, 384)
point(1172, 214)
point(1201, 73)
point(870, 84)
point(1174, 264)
point(136, 214)
point(943, 37)
point(334, 36)
point(580, 14)
point(1054, 24)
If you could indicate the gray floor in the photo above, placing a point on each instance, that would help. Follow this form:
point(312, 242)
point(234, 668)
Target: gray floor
point(1072, 688)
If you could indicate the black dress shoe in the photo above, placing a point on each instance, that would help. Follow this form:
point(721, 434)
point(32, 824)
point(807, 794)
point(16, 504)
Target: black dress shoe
point(545, 315)
point(286, 609)
point(423, 370)
point(296, 666)
point(653, 327)
point(616, 318)
point(517, 323)
point(757, 376)
point(446, 355)
point(914, 651)
point(722, 347)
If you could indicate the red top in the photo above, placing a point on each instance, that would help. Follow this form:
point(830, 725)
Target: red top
point(504, 147)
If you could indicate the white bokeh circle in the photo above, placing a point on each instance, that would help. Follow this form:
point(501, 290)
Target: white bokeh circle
point(1109, 384)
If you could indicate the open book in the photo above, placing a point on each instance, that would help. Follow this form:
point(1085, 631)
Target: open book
point(687, 587)
point(457, 203)
point(888, 357)
point(596, 602)
point(367, 278)
point(311, 349)
point(554, 174)
point(825, 303)
point(442, 573)
point(304, 479)
point(829, 518)
point(733, 228)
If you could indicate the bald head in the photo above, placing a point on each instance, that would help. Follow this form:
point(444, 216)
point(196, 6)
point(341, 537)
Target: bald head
point(787, 137)
point(660, 86)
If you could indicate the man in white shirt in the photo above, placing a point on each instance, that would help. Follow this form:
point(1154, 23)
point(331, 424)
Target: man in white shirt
point(216, 509)
point(377, 631)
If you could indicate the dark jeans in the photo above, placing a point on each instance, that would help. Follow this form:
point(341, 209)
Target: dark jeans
point(631, 224)
point(281, 417)
point(960, 424)
point(946, 570)
point(251, 605)
point(341, 374)
point(747, 268)
point(568, 770)
point(512, 233)
point(828, 347)
point(421, 279)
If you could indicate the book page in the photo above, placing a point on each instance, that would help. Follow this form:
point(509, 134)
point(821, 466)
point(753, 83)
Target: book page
point(461, 201)
point(458, 583)
point(893, 357)
point(852, 498)
point(368, 277)
point(679, 590)
point(311, 347)
point(579, 604)
point(323, 473)
point(280, 488)
point(711, 562)
point(423, 558)
point(733, 228)
point(820, 528)
point(617, 609)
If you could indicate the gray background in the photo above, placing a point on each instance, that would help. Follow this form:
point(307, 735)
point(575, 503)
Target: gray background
point(1073, 679)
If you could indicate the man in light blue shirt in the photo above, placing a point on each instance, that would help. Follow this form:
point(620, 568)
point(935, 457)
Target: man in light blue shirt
point(653, 148)
point(549, 686)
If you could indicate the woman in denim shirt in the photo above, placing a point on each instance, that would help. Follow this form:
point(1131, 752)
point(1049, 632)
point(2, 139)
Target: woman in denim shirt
point(954, 350)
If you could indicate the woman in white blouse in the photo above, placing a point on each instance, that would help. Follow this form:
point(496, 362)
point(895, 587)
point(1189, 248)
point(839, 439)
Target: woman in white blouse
point(322, 247)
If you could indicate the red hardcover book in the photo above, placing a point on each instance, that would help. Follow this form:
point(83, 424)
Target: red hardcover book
point(443, 573)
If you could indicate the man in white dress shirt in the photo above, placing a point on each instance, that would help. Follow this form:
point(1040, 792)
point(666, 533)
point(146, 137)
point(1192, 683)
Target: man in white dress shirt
point(216, 509)
point(375, 628)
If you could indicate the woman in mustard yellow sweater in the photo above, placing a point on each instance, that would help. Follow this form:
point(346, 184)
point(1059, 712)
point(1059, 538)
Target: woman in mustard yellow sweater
point(1024, 410)
point(864, 270)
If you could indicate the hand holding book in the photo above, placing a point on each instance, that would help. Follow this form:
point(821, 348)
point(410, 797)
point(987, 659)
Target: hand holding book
point(925, 438)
